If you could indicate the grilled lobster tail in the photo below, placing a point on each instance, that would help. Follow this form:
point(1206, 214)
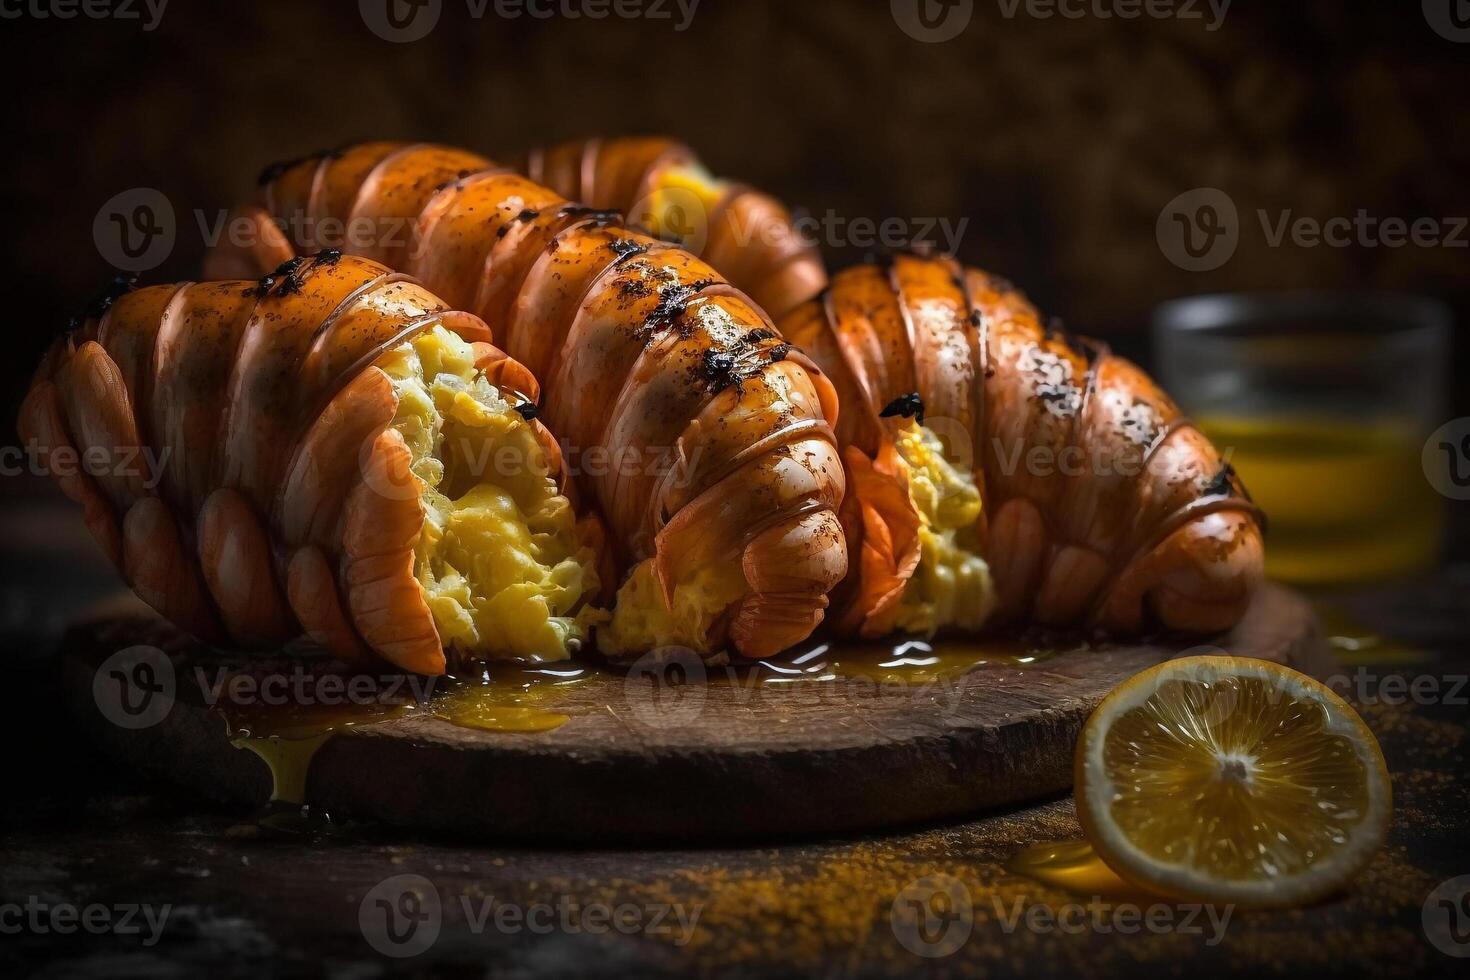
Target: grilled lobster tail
point(662, 188)
point(289, 498)
point(705, 439)
point(659, 186)
point(1099, 503)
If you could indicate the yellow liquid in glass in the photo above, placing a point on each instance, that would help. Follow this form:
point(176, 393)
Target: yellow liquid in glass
point(1347, 501)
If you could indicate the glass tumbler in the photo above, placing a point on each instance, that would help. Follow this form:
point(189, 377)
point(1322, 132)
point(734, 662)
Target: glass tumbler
point(1322, 401)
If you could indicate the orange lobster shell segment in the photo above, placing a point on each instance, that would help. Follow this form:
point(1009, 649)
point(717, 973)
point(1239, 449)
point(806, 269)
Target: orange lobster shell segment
point(284, 499)
point(1102, 505)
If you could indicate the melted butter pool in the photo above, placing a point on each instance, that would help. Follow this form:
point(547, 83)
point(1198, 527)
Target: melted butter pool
point(536, 698)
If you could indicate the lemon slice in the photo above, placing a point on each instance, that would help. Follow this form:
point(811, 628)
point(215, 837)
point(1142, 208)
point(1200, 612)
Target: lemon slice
point(1232, 780)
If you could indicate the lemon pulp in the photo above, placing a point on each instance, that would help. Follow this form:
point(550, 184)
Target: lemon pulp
point(1233, 778)
point(952, 584)
point(498, 558)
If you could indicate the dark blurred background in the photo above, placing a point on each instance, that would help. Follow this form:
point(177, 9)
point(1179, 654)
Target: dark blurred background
point(1059, 139)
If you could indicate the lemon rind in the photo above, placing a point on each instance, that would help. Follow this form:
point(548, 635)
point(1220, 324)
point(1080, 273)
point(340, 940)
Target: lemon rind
point(1093, 794)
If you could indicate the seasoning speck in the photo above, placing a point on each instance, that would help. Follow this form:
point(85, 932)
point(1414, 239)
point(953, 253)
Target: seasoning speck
point(909, 406)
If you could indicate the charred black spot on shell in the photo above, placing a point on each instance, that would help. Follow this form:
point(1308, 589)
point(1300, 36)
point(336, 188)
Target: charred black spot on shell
point(779, 352)
point(626, 248)
point(1221, 484)
point(264, 286)
point(719, 369)
point(286, 279)
point(528, 214)
point(119, 285)
point(759, 334)
point(328, 256)
point(527, 410)
point(599, 216)
point(273, 171)
point(671, 303)
point(634, 287)
point(289, 266)
point(909, 406)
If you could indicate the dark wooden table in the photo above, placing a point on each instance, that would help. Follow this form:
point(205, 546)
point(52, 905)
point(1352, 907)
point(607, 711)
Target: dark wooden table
point(236, 900)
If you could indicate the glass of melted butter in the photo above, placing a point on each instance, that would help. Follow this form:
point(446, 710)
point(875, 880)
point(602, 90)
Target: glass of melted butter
point(1322, 401)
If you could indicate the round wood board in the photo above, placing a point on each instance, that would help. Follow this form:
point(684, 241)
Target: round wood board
point(644, 763)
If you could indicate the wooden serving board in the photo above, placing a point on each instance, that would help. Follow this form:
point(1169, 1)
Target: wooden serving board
point(642, 760)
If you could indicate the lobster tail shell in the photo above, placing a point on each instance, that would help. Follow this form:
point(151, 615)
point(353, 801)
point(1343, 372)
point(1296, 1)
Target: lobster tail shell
point(1102, 505)
point(279, 498)
point(746, 234)
point(705, 440)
